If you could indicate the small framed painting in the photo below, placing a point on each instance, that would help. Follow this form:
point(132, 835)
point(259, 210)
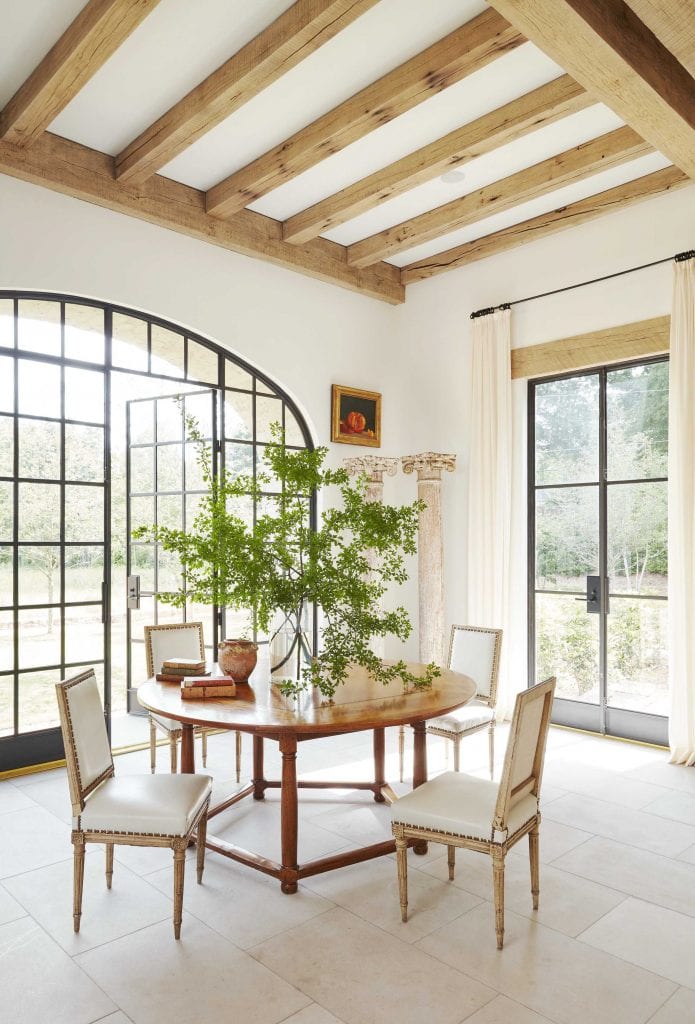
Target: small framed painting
point(356, 416)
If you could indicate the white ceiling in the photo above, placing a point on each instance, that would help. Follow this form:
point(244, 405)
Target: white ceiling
point(181, 42)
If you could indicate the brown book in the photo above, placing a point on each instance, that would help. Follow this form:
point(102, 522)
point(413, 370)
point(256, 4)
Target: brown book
point(198, 671)
point(167, 677)
point(207, 680)
point(183, 663)
point(207, 692)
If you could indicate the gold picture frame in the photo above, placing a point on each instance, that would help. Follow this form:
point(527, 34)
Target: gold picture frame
point(355, 416)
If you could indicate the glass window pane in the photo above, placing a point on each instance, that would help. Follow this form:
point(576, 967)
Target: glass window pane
point(169, 420)
point(38, 708)
point(202, 613)
point(7, 323)
point(142, 422)
point(84, 513)
point(264, 389)
point(39, 574)
point(268, 411)
point(202, 363)
point(142, 469)
point(637, 538)
point(264, 474)
point(169, 576)
point(6, 446)
point(169, 467)
point(167, 352)
point(168, 613)
point(39, 449)
point(567, 646)
point(637, 421)
point(129, 346)
point(142, 565)
point(139, 618)
point(39, 637)
point(39, 326)
point(6, 575)
point(84, 634)
point(84, 333)
point(238, 417)
point(141, 512)
point(84, 572)
point(235, 377)
point(170, 511)
point(293, 432)
point(6, 641)
point(6, 705)
point(192, 505)
point(239, 459)
point(39, 512)
point(194, 469)
point(566, 537)
point(638, 656)
point(6, 511)
point(84, 452)
point(199, 406)
point(567, 420)
point(84, 395)
point(6, 384)
point(39, 388)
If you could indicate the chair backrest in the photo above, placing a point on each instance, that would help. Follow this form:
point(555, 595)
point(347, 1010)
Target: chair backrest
point(172, 640)
point(523, 762)
point(87, 748)
point(475, 651)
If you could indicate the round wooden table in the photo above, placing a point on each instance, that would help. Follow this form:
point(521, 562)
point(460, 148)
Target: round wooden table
point(260, 709)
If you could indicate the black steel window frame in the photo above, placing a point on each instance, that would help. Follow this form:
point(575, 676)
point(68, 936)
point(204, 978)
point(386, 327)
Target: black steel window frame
point(41, 746)
point(600, 718)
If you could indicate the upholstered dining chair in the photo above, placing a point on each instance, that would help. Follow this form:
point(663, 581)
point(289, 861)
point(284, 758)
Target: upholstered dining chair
point(475, 651)
point(461, 810)
point(176, 640)
point(135, 810)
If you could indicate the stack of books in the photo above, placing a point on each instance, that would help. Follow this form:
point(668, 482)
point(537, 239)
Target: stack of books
point(202, 687)
point(175, 670)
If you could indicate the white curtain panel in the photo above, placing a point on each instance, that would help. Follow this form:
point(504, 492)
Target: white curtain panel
point(490, 487)
point(681, 516)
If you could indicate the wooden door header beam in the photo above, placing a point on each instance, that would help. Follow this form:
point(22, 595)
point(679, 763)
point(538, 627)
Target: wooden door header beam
point(298, 32)
point(83, 173)
point(605, 46)
point(94, 35)
point(463, 51)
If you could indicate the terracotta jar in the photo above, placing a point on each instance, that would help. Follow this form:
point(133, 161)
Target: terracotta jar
point(237, 658)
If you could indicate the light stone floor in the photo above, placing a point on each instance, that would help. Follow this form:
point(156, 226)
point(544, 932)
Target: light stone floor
point(612, 943)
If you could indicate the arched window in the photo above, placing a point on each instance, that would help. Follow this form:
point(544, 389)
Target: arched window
point(93, 443)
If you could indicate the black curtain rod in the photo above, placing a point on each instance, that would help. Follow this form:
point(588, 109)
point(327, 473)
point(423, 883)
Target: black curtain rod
point(680, 257)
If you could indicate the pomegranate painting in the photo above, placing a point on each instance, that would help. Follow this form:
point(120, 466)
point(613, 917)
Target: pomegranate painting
point(356, 416)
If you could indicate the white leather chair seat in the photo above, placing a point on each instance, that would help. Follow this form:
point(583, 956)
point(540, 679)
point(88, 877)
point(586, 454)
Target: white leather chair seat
point(461, 805)
point(469, 717)
point(170, 724)
point(153, 804)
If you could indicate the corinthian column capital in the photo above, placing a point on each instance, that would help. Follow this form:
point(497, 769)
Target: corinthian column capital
point(373, 465)
point(428, 465)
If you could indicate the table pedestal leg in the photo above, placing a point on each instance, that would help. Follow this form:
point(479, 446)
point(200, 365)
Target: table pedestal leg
point(288, 814)
point(187, 749)
point(419, 770)
point(379, 765)
point(258, 777)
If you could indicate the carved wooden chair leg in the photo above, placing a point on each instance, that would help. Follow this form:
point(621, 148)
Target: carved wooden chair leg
point(401, 750)
point(533, 857)
point(179, 868)
point(200, 843)
point(457, 753)
point(204, 744)
point(451, 861)
point(238, 757)
point(491, 747)
point(153, 746)
point(402, 863)
point(172, 752)
point(498, 883)
point(109, 864)
point(78, 879)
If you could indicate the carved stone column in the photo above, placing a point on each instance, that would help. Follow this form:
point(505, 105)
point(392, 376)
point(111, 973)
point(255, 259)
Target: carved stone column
point(429, 466)
point(374, 466)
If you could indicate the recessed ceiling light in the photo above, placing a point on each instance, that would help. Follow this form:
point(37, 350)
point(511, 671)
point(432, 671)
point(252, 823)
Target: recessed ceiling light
point(453, 177)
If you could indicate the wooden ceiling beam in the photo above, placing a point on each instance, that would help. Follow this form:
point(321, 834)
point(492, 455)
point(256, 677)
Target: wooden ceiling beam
point(94, 35)
point(542, 106)
point(298, 32)
point(463, 51)
point(86, 174)
point(617, 198)
point(573, 165)
point(605, 46)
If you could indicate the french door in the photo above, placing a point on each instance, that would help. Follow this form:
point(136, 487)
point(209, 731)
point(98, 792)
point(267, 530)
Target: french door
point(598, 559)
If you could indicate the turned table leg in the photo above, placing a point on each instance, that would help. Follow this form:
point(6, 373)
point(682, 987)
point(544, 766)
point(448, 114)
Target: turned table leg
point(379, 764)
point(187, 749)
point(419, 769)
point(288, 813)
point(258, 777)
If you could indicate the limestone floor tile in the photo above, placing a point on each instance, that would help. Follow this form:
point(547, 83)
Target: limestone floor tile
point(566, 903)
point(576, 777)
point(242, 904)
point(652, 937)
point(53, 794)
point(145, 860)
point(505, 1011)
point(679, 1009)
point(106, 914)
point(255, 826)
point(648, 876)
point(555, 838)
point(661, 773)
point(27, 780)
point(370, 890)
point(10, 910)
point(32, 838)
point(40, 982)
point(688, 855)
point(364, 822)
point(114, 1018)
point(201, 978)
point(616, 755)
point(559, 977)
point(365, 976)
point(12, 798)
point(313, 1014)
point(637, 828)
point(677, 806)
